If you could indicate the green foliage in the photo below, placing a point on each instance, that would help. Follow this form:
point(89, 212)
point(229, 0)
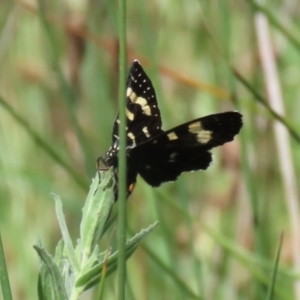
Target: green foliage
point(219, 229)
point(75, 269)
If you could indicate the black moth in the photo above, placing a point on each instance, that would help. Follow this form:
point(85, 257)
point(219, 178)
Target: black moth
point(159, 156)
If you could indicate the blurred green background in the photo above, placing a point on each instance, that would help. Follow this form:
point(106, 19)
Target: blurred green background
point(220, 229)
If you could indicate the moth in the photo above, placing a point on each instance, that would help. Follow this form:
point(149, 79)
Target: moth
point(156, 155)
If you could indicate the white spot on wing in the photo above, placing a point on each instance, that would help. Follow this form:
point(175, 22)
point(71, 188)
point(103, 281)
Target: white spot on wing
point(145, 130)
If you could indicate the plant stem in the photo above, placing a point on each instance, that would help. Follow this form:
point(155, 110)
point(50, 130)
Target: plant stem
point(122, 154)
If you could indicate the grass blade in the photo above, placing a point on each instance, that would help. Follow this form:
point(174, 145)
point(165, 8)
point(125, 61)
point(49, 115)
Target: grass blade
point(4, 279)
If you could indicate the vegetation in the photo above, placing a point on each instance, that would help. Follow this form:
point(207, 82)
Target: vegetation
point(231, 232)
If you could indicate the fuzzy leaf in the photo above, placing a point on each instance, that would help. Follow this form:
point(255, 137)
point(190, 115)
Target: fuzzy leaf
point(96, 212)
point(65, 234)
point(50, 284)
point(91, 277)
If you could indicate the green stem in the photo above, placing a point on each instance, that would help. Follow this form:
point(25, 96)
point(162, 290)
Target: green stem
point(122, 154)
point(4, 280)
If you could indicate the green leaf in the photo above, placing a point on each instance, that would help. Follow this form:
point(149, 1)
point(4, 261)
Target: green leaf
point(59, 252)
point(93, 259)
point(91, 277)
point(65, 234)
point(50, 284)
point(96, 212)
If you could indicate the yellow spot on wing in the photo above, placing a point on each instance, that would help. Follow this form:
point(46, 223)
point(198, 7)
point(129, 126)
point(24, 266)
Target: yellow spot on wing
point(132, 137)
point(131, 94)
point(203, 136)
point(195, 127)
point(172, 136)
point(138, 100)
point(129, 115)
point(144, 104)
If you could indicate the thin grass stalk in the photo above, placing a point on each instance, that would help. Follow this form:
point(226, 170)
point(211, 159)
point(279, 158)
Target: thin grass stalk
point(173, 275)
point(259, 98)
point(121, 229)
point(4, 279)
point(250, 183)
point(196, 263)
point(274, 95)
point(167, 238)
point(275, 270)
point(288, 34)
point(41, 142)
point(166, 235)
point(69, 94)
point(253, 263)
point(150, 50)
point(166, 268)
